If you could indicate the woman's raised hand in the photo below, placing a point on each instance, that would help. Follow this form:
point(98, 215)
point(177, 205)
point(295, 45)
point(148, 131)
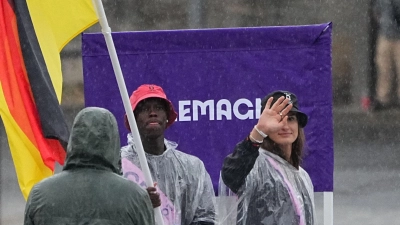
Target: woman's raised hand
point(272, 119)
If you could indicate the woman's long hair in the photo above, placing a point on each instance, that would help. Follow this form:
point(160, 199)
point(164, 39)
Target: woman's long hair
point(297, 148)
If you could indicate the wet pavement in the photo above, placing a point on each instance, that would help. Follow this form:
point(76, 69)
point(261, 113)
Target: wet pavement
point(366, 175)
point(367, 167)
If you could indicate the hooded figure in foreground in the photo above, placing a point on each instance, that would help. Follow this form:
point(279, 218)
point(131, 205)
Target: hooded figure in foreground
point(264, 169)
point(89, 189)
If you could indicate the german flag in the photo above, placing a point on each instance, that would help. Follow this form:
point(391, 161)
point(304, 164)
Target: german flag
point(32, 34)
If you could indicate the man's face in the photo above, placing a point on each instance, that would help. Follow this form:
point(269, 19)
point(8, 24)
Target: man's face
point(151, 117)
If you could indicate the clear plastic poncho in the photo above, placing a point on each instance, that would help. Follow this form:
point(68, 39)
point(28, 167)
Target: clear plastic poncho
point(274, 192)
point(185, 187)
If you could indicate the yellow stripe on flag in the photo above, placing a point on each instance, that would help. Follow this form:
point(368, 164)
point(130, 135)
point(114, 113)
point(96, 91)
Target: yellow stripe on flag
point(56, 23)
point(23, 151)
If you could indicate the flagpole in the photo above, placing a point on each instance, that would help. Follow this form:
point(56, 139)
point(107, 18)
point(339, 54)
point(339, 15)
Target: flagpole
point(106, 30)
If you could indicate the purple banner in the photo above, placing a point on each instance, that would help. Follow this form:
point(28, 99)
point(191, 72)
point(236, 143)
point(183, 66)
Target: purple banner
point(216, 79)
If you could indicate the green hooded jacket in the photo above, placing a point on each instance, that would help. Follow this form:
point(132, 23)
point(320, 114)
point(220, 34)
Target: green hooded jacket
point(89, 190)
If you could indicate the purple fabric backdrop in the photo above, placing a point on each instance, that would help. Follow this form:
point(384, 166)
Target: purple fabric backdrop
point(229, 71)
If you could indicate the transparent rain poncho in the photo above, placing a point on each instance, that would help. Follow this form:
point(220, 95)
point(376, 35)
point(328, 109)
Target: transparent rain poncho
point(185, 187)
point(273, 191)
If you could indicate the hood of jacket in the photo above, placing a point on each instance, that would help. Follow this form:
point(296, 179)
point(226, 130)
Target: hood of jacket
point(94, 141)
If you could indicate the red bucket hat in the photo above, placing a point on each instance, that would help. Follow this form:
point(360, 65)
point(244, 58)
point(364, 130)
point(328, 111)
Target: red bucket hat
point(152, 91)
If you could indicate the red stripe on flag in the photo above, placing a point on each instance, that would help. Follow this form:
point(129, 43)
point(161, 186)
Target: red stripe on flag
point(17, 92)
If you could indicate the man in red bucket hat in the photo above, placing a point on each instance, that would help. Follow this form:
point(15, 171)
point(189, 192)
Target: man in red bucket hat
point(184, 190)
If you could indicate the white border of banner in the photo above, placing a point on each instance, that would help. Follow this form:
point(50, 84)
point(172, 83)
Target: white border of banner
point(328, 208)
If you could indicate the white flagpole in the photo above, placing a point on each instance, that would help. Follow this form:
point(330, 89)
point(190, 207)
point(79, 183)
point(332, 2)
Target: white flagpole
point(106, 30)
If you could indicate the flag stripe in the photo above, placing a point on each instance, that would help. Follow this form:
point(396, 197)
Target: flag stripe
point(18, 109)
point(52, 119)
point(55, 25)
point(24, 152)
point(30, 109)
point(44, 105)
